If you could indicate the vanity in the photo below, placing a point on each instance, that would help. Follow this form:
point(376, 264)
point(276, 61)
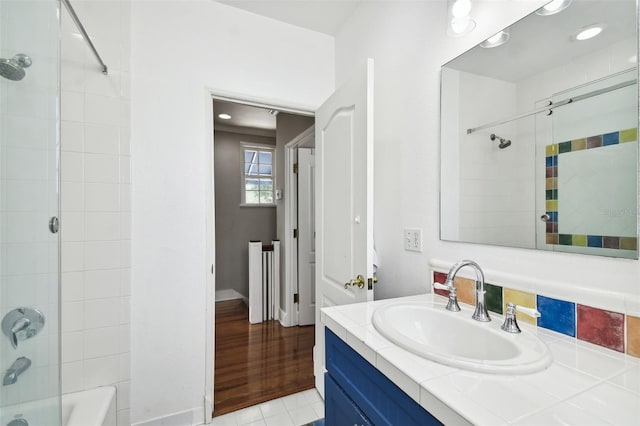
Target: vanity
point(371, 380)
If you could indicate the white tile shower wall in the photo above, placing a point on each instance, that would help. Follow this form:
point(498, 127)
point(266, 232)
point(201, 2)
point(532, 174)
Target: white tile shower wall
point(96, 210)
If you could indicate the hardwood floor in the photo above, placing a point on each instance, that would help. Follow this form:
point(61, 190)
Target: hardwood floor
point(258, 362)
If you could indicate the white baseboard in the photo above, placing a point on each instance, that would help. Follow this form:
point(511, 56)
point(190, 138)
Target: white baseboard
point(193, 417)
point(230, 294)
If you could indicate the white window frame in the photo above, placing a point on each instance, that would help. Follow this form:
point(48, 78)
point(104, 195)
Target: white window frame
point(243, 192)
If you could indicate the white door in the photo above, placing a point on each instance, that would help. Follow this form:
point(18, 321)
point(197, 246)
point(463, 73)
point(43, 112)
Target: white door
point(306, 237)
point(344, 200)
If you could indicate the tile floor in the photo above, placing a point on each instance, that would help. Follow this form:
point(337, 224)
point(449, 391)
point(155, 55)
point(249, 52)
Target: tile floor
point(292, 410)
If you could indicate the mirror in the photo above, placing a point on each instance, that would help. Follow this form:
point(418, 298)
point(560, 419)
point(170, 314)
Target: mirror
point(539, 134)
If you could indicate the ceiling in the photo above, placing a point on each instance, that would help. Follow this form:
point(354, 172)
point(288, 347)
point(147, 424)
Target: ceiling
point(244, 116)
point(324, 16)
point(540, 43)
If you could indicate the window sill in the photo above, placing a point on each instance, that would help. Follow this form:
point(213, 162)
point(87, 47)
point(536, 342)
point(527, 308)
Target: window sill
point(257, 205)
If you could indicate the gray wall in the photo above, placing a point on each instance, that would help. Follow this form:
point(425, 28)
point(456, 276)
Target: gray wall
point(288, 126)
point(235, 225)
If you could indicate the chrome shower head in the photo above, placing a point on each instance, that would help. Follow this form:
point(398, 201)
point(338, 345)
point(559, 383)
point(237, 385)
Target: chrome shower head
point(13, 69)
point(504, 143)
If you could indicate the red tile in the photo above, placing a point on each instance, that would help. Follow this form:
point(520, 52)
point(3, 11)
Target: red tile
point(604, 328)
point(439, 277)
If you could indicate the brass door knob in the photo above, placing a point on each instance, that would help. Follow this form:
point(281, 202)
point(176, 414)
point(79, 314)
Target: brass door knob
point(358, 281)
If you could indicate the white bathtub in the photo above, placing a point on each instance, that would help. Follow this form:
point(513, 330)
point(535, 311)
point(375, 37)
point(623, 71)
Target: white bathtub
point(95, 407)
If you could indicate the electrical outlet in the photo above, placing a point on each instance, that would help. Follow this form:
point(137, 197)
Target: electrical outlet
point(413, 239)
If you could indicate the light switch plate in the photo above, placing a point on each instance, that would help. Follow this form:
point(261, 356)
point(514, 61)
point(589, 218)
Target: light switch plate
point(413, 239)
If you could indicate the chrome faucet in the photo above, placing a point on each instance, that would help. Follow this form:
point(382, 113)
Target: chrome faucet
point(480, 314)
point(17, 368)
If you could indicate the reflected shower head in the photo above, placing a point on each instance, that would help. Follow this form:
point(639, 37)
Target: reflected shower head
point(13, 69)
point(503, 142)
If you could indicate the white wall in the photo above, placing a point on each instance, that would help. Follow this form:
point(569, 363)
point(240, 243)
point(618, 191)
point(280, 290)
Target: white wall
point(95, 202)
point(178, 50)
point(408, 43)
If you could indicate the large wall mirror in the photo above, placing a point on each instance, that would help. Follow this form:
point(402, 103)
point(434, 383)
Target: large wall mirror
point(539, 133)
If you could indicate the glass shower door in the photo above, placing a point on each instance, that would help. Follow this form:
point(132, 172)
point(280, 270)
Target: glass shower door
point(29, 189)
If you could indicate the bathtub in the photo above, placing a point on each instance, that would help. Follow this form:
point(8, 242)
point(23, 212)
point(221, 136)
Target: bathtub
point(95, 407)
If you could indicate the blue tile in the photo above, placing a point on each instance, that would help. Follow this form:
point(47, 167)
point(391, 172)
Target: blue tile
point(594, 240)
point(551, 160)
point(557, 315)
point(553, 216)
point(610, 139)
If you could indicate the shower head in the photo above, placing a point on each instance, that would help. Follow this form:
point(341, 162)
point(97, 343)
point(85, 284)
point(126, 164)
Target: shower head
point(13, 69)
point(503, 142)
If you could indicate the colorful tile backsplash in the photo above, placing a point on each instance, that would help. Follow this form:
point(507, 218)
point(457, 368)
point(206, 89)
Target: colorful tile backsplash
point(598, 326)
point(553, 237)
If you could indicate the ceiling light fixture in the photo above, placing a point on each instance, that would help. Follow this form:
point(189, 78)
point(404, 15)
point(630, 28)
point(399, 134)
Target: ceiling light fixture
point(460, 22)
point(496, 40)
point(588, 32)
point(224, 116)
point(553, 7)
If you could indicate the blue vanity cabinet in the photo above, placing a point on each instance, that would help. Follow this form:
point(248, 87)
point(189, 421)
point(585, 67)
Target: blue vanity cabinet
point(356, 393)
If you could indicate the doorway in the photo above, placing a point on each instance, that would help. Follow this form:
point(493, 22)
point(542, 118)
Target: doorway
point(254, 363)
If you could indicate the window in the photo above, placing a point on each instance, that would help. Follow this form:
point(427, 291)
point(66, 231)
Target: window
point(257, 174)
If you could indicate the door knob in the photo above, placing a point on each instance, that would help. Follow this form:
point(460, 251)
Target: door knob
point(358, 281)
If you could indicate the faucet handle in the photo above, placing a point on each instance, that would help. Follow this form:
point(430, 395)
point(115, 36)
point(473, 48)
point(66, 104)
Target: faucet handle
point(510, 324)
point(442, 286)
point(527, 311)
point(452, 304)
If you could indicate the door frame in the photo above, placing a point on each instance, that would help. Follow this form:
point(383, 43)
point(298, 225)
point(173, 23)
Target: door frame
point(289, 317)
point(211, 94)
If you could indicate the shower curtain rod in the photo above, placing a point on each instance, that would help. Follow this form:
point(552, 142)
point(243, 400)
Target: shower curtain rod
point(552, 106)
point(76, 20)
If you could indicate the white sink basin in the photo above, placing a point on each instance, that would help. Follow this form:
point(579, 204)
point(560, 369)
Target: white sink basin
point(454, 339)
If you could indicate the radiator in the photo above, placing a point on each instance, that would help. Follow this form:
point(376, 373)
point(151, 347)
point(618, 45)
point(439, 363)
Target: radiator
point(264, 281)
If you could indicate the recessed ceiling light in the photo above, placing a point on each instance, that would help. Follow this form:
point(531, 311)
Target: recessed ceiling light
point(224, 116)
point(588, 32)
point(461, 26)
point(553, 7)
point(461, 8)
point(496, 40)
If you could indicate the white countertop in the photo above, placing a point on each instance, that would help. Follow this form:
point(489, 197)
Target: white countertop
point(585, 385)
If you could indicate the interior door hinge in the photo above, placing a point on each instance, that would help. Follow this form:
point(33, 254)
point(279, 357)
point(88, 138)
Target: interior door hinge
point(295, 167)
point(295, 233)
point(296, 298)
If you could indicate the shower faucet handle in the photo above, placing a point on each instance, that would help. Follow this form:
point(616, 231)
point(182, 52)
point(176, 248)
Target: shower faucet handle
point(21, 324)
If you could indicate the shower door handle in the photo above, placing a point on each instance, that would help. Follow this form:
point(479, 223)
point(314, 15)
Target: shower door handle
point(545, 218)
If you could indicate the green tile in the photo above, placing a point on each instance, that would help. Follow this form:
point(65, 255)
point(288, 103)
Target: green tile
point(493, 298)
point(580, 240)
point(629, 135)
point(565, 239)
point(564, 147)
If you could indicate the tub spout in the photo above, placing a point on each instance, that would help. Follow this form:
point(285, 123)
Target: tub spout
point(17, 368)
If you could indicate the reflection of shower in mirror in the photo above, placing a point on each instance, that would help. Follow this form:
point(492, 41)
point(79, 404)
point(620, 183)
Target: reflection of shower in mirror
point(504, 143)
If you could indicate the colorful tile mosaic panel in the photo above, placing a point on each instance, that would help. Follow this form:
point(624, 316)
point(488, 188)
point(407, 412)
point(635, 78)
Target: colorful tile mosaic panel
point(601, 327)
point(493, 298)
point(551, 192)
point(633, 336)
point(557, 315)
point(598, 326)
